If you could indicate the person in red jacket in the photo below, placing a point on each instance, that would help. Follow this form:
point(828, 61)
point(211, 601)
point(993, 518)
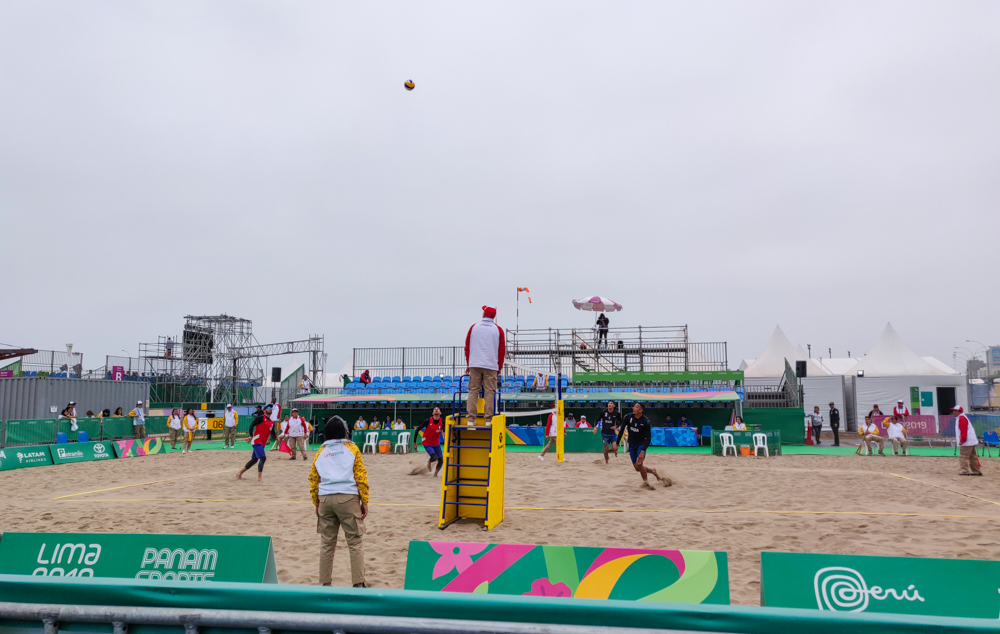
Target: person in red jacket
point(965, 437)
point(485, 349)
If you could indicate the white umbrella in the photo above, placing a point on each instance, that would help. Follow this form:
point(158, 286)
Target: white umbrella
point(597, 304)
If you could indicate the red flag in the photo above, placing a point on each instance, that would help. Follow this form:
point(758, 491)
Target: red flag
point(283, 447)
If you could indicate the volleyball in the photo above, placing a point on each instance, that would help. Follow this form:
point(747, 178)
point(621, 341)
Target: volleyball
point(409, 85)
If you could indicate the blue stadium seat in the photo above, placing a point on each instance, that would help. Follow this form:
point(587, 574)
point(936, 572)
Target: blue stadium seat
point(428, 379)
point(397, 379)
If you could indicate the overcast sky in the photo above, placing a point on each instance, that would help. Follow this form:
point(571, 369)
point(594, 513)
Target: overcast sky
point(825, 166)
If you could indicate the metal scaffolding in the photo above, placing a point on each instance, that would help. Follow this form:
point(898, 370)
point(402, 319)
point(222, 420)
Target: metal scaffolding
point(221, 353)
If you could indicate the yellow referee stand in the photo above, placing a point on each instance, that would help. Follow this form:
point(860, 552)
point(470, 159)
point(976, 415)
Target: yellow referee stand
point(472, 479)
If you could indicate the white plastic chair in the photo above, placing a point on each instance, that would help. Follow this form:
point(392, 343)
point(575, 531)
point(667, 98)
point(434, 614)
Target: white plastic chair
point(402, 442)
point(760, 442)
point(371, 440)
point(727, 443)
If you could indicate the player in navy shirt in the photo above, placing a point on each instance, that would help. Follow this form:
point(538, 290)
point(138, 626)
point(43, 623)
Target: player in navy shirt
point(609, 423)
point(639, 437)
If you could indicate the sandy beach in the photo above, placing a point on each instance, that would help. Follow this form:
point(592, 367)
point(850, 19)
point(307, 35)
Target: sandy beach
point(835, 504)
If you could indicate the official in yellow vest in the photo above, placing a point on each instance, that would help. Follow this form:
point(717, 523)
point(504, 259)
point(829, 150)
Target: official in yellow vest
point(338, 484)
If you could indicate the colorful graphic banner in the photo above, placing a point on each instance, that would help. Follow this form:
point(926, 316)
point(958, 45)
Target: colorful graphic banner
point(629, 574)
point(81, 452)
point(898, 585)
point(20, 457)
point(151, 557)
point(131, 448)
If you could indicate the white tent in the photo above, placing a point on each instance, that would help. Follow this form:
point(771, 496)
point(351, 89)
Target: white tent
point(770, 363)
point(893, 371)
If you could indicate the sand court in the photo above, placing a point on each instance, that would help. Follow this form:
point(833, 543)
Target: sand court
point(803, 503)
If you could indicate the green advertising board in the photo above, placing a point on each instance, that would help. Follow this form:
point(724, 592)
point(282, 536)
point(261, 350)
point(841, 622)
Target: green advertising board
point(20, 457)
point(626, 574)
point(897, 585)
point(132, 556)
point(81, 452)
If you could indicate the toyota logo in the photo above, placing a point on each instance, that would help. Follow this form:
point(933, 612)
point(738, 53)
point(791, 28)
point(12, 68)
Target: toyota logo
point(98, 448)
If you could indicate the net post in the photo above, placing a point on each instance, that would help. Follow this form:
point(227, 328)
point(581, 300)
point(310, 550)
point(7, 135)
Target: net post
point(560, 429)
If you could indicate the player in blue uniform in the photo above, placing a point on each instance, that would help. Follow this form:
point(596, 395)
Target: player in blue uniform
point(639, 437)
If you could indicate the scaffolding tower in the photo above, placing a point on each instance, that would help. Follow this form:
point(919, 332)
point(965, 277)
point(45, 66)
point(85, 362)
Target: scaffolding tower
point(221, 354)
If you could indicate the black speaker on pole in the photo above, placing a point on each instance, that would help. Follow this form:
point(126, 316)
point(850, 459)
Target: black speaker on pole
point(800, 369)
point(275, 375)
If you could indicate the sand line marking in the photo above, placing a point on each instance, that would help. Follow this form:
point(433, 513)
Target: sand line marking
point(140, 484)
point(585, 510)
point(938, 486)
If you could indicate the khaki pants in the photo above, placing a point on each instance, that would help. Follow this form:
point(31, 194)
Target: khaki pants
point(876, 438)
point(139, 431)
point(298, 441)
point(229, 435)
point(336, 510)
point(174, 435)
point(968, 459)
point(896, 442)
point(487, 379)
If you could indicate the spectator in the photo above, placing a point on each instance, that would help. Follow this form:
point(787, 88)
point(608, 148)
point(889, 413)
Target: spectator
point(366, 378)
point(138, 420)
point(346, 379)
point(375, 424)
point(174, 427)
point(897, 435)
point(869, 433)
point(338, 483)
point(816, 421)
point(118, 412)
point(900, 409)
point(684, 422)
point(669, 422)
point(875, 413)
point(965, 438)
point(739, 425)
point(484, 353)
point(170, 347)
point(70, 413)
point(570, 421)
point(190, 427)
point(305, 385)
point(835, 424)
point(361, 423)
point(399, 424)
point(582, 423)
point(602, 329)
point(106, 413)
point(90, 414)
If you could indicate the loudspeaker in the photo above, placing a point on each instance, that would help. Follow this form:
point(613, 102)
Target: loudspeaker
point(800, 369)
point(275, 375)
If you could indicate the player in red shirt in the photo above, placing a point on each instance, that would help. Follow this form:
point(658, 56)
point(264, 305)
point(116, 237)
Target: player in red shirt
point(260, 432)
point(432, 428)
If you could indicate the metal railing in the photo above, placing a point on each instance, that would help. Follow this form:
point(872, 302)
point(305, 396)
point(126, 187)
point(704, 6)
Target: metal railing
point(191, 620)
point(53, 363)
point(768, 396)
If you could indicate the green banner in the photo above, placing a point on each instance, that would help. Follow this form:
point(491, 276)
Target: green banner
point(34, 431)
point(20, 457)
point(151, 557)
point(81, 452)
point(897, 585)
point(627, 574)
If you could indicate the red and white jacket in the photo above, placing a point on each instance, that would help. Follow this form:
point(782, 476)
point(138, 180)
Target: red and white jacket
point(485, 346)
point(965, 434)
point(900, 412)
point(296, 427)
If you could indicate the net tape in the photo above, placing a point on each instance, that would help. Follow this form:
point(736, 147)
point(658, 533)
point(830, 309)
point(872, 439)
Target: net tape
point(538, 412)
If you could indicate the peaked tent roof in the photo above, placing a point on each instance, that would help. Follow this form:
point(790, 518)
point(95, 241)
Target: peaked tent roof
point(890, 356)
point(771, 361)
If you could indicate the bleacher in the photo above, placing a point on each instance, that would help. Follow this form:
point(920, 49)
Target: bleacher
point(517, 384)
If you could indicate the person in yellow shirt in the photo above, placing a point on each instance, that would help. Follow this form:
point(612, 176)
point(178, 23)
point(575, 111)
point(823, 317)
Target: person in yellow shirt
point(338, 484)
point(190, 427)
point(375, 424)
point(739, 425)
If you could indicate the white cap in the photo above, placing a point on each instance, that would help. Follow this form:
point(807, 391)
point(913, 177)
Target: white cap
point(900, 401)
point(958, 407)
point(229, 406)
point(138, 402)
point(72, 402)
